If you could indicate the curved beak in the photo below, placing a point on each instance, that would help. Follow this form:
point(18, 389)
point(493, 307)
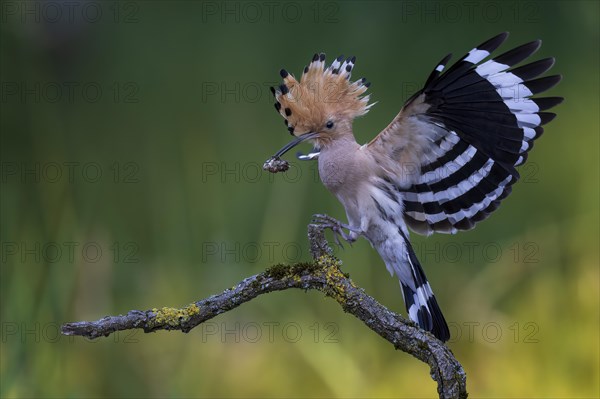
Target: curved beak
point(295, 142)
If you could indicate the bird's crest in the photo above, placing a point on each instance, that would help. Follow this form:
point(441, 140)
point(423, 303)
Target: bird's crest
point(321, 93)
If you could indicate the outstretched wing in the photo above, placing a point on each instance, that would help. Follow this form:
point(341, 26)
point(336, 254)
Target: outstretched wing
point(464, 133)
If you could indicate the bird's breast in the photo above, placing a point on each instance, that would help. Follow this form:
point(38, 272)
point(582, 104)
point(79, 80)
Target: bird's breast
point(333, 173)
point(341, 170)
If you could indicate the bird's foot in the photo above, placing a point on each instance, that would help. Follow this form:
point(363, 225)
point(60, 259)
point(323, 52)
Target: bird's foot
point(337, 227)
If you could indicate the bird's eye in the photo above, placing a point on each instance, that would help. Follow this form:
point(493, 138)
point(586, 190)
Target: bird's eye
point(329, 124)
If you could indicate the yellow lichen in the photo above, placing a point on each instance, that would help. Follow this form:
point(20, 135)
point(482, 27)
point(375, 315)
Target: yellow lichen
point(174, 317)
point(334, 277)
point(326, 266)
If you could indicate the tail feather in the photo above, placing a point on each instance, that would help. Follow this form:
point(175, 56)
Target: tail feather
point(425, 311)
point(420, 302)
point(390, 238)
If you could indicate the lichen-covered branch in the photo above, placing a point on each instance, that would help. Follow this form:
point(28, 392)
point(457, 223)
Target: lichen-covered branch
point(323, 274)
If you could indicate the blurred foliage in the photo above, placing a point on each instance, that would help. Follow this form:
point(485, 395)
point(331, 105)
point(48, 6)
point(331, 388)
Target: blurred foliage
point(132, 137)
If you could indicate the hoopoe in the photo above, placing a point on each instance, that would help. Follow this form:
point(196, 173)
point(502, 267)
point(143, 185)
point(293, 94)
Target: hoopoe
point(444, 163)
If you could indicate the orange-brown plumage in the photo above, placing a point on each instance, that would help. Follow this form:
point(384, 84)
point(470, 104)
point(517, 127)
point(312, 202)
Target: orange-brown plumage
point(320, 96)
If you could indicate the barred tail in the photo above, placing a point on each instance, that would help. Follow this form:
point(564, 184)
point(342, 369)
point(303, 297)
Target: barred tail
point(423, 309)
point(420, 302)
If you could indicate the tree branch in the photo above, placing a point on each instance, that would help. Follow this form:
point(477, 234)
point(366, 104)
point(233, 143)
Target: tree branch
point(323, 274)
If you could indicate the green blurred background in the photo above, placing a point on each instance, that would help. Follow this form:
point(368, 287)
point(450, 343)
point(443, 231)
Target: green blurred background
point(132, 139)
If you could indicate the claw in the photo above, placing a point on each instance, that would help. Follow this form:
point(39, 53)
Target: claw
point(337, 227)
point(337, 240)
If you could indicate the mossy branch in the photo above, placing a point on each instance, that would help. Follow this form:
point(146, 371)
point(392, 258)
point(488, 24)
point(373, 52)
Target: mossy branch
point(323, 274)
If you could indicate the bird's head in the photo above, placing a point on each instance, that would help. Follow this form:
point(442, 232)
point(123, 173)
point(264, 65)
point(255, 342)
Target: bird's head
point(322, 104)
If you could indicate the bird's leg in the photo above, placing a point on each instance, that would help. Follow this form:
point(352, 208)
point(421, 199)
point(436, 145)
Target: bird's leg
point(327, 222)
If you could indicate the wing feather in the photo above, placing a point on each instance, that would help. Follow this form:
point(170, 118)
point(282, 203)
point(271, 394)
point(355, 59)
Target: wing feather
point(464, 134)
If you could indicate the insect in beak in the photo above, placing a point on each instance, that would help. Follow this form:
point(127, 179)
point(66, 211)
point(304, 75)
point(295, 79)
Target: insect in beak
point(276, 164)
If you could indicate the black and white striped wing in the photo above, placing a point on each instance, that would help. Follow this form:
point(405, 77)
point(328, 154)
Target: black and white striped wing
point(477, 122)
